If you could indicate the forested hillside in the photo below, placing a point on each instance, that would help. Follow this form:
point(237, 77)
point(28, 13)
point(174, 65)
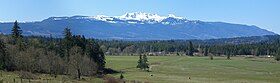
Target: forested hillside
point(72, 55)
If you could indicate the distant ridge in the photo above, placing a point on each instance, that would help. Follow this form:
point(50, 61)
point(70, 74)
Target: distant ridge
point(137, 26)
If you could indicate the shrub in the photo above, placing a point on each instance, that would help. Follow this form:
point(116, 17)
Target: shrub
point(121, 77)
point(211, 57)
point(277, 58)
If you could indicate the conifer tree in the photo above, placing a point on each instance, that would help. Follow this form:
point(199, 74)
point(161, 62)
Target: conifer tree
point(96, 54)
point(145, 62)
point(16, 31)
point(17, 36)
point(140, 62)
point(121, 77)
point(205, 52)
point(67, 42)
point(191, 49)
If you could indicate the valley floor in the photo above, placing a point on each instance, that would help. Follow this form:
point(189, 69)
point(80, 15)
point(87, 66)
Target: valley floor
point(182, 69)
point(177, 69)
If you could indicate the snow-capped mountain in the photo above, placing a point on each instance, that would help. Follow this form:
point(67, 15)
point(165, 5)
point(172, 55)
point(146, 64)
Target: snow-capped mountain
point(137, 26)
point(132, 18)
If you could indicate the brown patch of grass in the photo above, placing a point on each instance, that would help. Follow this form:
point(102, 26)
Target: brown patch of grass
point(110, 79)
point(26, 75)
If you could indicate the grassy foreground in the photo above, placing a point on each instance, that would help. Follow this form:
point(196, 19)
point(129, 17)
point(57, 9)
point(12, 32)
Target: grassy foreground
point(182, 69)
point(13, 77)
point(177, 69)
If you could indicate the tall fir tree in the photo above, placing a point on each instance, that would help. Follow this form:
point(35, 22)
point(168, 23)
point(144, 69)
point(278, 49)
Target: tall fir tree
point(191, 49)
point(140, 62)
point(17, 36)
point(205, 52)
point(67, 43)
point(16, 31)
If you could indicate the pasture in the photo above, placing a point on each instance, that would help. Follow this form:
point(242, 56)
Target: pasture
point(182, 69)
point(176, 69)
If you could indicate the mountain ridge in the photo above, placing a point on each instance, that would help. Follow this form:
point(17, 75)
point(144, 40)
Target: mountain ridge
point(137, 26)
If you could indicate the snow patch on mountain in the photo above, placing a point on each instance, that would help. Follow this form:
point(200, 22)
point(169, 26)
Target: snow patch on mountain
point(132, 18)
point(103, 18)
point(141, 16)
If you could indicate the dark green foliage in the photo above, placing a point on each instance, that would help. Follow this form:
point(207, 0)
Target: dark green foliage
point(121, 77)
point(143, 62)
point(277, 55)
point(89, 47)
point(277, 58)
point(257, 52)
point(205, 52)
point(140, 62)
point(163, 47)
point(17, 37)
point(16, 31)
point(4, 58)
point(67, 42)
point(190, 49)
point(21, 45)
point(96, 54)
point(2, 55)
point(39, 54)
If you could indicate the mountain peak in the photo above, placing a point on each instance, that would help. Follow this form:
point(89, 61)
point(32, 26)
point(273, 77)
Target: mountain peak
point(131, 18)
point(141, 16)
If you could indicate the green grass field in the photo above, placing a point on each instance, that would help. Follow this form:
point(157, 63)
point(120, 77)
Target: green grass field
point(178, 69)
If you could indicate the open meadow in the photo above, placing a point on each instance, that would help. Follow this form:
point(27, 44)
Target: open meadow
point(183, 69)
point(176, 69)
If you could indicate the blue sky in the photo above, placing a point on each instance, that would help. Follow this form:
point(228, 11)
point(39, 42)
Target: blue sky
point(262, 13)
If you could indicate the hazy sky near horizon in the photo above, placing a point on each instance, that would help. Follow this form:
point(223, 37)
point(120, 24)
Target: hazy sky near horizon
point(262, 13)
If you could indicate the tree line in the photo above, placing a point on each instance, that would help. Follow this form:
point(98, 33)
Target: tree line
point(190, 48)
point(116, 47)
